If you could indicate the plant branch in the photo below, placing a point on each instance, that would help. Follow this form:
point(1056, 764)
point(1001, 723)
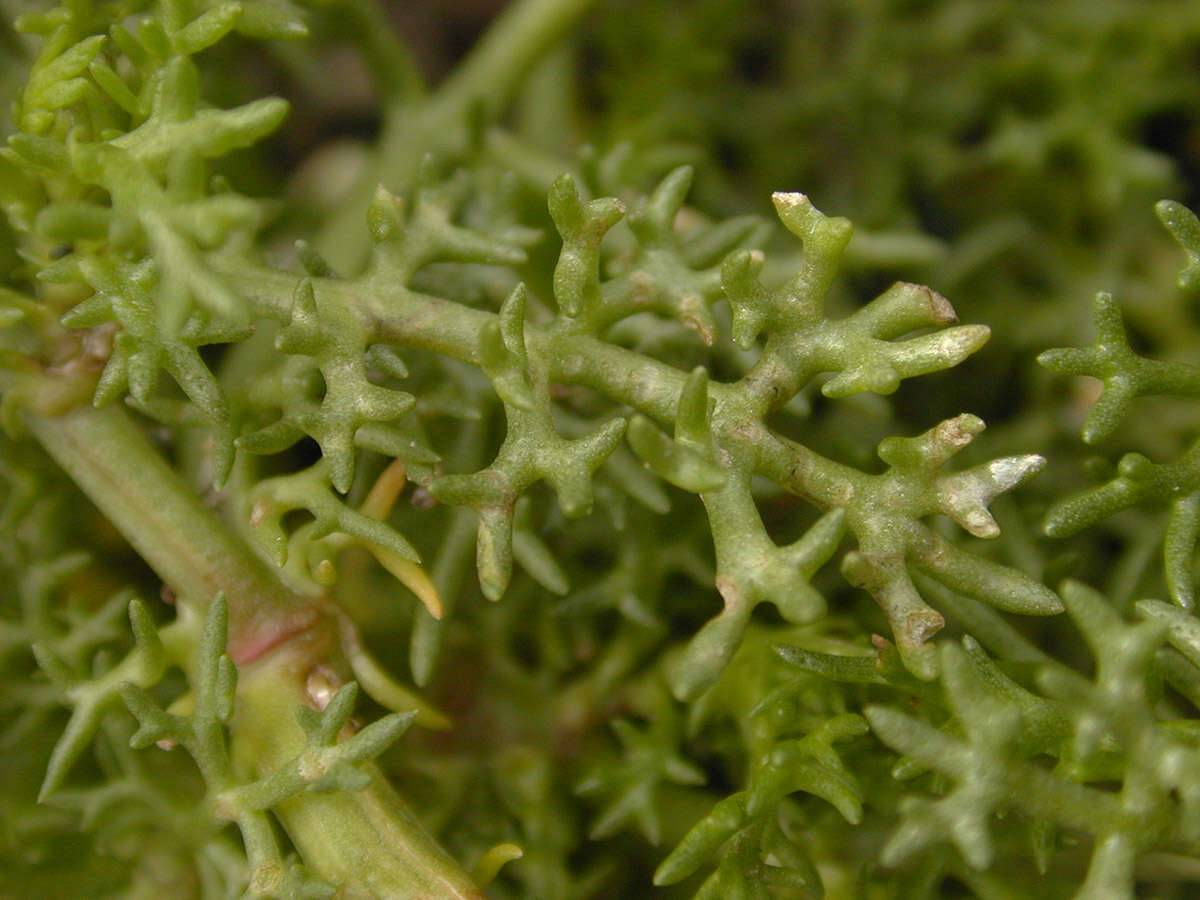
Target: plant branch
point(480, 85)
point(170, 527)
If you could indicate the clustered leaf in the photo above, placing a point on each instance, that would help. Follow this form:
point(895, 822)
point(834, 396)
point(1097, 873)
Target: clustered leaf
point(633, 780)
point(309, 490)
point(1101, 730)
point(750, 833)
point(532, 450)
point(1126, 376)
point(671, 661)
point(91, 699)
point(335, 340)
point(329, 762)
point(127, 294)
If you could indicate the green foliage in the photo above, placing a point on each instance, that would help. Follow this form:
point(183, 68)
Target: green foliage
point(757, 608)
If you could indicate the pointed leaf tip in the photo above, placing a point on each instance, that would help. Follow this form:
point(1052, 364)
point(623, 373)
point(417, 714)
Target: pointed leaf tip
point(385, 216)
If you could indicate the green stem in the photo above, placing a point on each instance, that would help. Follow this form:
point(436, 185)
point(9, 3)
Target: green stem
point(480, 85)
point(107, 455)
point(397, 74)
point(517, 39)
point(410, 319)
point(367, 843)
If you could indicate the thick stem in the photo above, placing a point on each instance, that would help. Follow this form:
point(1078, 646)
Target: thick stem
point(367, 843)
point(184, 541)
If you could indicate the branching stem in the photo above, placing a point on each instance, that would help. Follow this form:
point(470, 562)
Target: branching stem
point(480, 85)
